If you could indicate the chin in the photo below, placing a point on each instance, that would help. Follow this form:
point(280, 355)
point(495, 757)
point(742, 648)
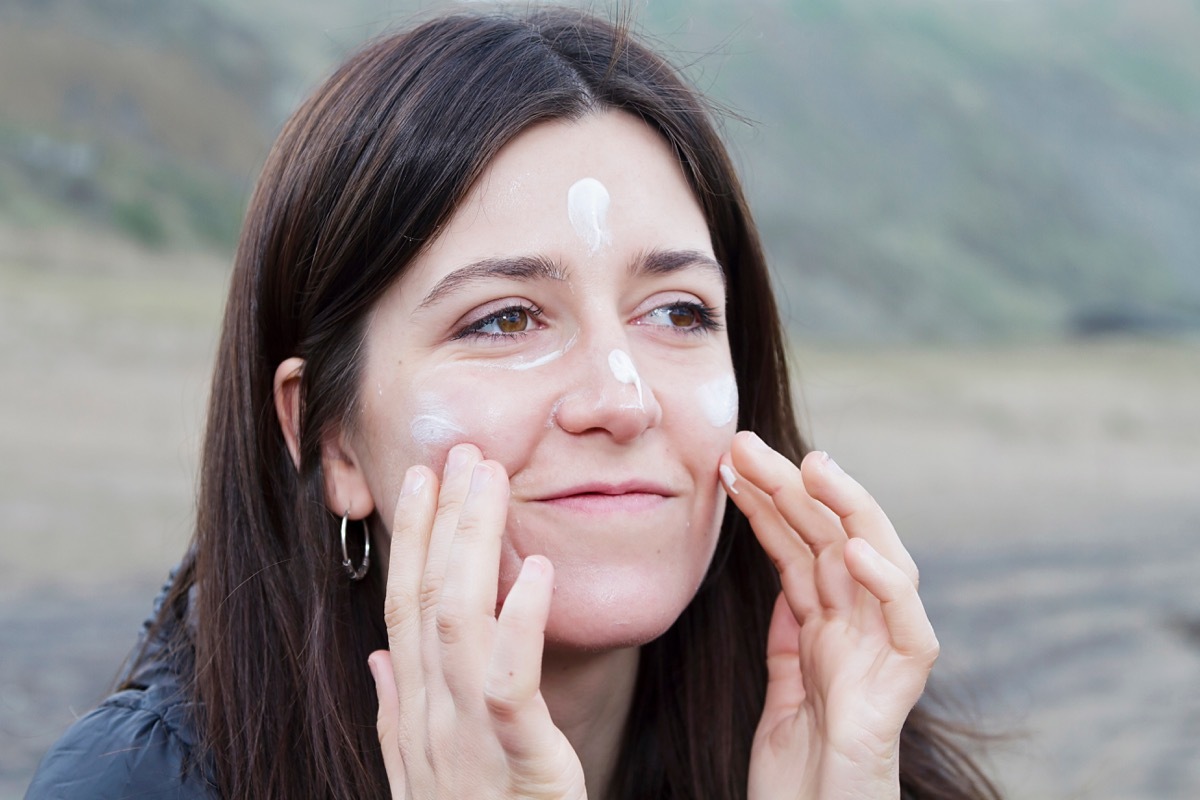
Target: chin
point(593, 618)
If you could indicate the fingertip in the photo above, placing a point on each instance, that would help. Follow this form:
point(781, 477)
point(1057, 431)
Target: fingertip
point(535, 569)
point(749, 454)
point(823, 476)
point(417, 480)
point(745, 437)
point(814, 462)
point(728, 478)
point(749, 443)
point(380, 663)
point(414, 479)
point(459, 457)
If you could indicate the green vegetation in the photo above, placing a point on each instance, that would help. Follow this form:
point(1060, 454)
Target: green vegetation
point(921, 169)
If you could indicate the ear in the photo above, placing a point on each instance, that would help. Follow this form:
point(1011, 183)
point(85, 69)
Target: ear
point(287, 404)
point(346, 488)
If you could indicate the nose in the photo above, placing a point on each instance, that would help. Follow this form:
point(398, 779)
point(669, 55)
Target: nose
point(607, 394)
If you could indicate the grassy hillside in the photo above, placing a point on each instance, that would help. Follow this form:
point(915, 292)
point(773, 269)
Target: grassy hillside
point(138, 115)
point(920, 168)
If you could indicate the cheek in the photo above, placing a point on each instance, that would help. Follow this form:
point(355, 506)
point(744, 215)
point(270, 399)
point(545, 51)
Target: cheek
point(700, 408)
point(718, 400)
point(499, 411)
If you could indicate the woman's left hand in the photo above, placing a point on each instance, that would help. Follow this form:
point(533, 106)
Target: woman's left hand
point(850, 646)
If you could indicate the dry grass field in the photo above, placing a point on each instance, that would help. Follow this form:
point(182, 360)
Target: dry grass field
point(1051, 494)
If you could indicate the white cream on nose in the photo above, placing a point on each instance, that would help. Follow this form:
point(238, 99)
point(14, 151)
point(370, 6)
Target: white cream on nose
point(624, 371)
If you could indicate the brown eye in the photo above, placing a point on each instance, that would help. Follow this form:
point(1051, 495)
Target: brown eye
point(508, 322)
point(680, 317)
point(514, 320)
point(683, 317)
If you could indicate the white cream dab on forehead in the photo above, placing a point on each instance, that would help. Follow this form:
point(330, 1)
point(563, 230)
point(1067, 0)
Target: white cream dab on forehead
point(624, 371)
point(587, 208)
point(719, 400)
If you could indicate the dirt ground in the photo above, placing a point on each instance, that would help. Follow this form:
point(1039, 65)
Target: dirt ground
point(1051, 495)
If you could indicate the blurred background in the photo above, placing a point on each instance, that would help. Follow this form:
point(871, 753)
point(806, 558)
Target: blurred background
point(984, 220)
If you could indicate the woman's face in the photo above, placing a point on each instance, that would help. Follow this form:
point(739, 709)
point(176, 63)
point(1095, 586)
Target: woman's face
point(568, 321)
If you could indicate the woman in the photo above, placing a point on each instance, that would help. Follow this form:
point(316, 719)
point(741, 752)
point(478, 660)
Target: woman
point(497, 313)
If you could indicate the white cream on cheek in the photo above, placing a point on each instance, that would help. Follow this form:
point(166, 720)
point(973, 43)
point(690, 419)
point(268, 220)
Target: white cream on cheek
point(554, 355)
point(624, 371)
point(719, 400)
point(587, 208)
point(433, 426)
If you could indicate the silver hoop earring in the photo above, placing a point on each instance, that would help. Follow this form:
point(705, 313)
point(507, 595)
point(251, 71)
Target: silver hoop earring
point(361, 572)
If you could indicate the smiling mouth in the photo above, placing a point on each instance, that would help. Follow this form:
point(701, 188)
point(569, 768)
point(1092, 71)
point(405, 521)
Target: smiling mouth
point(602, 503)
point(630, 497)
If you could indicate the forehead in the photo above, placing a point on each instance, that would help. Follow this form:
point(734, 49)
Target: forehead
point(521, 205)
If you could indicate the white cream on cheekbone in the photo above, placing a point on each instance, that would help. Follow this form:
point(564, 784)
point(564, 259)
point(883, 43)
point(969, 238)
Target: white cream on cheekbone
point(433, 426)
point(553, 355)
point(624, 371)
point(587, 208)
point(719, 400)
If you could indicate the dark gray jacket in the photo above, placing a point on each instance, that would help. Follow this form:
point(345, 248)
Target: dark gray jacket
point(139, 742)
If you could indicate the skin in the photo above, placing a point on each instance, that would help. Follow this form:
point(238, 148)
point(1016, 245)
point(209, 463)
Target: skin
point(564, 514)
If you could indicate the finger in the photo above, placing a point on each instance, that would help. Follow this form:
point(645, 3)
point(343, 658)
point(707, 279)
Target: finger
point(908, 626)
point(785, 684)
point(780, 479)
point(456, 482)
point(791, 555)
point(411, 526)
point(387, 721)
point(511, 691)
point(861, 516)
point(466, 612)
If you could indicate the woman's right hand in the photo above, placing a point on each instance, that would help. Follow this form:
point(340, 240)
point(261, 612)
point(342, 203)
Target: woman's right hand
point(460, 710)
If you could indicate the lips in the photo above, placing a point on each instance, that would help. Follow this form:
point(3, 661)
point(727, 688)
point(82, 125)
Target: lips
point(602, 497)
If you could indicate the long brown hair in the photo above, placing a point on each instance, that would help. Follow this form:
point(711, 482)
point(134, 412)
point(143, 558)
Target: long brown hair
point(363, 176)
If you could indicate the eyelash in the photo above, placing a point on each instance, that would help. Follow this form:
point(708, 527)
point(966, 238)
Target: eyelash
point(706, 320)
point(706, 316)
point(474, 329)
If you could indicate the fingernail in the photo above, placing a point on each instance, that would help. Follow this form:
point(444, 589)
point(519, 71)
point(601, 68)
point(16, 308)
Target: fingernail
point(480, 477)
point(728, 477)
point(456, 460)
point(830, 464)
point(532, 569)
point(374, 674)
point(413, 481)
point(756, 442)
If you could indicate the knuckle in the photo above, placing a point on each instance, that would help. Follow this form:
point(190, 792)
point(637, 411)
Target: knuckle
point(431, 591)
point(449, 625)
point(501, 701)
point(449, 507)
point(398, 608)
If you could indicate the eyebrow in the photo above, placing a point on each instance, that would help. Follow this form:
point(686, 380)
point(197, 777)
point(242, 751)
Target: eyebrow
point(521, 268)
point(665, 262)
point(531, 268)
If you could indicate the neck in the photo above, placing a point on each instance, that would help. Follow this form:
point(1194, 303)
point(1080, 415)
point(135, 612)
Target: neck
point(589, 697)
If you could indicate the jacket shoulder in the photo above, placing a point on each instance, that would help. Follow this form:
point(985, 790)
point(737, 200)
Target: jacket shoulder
point(130, 746)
